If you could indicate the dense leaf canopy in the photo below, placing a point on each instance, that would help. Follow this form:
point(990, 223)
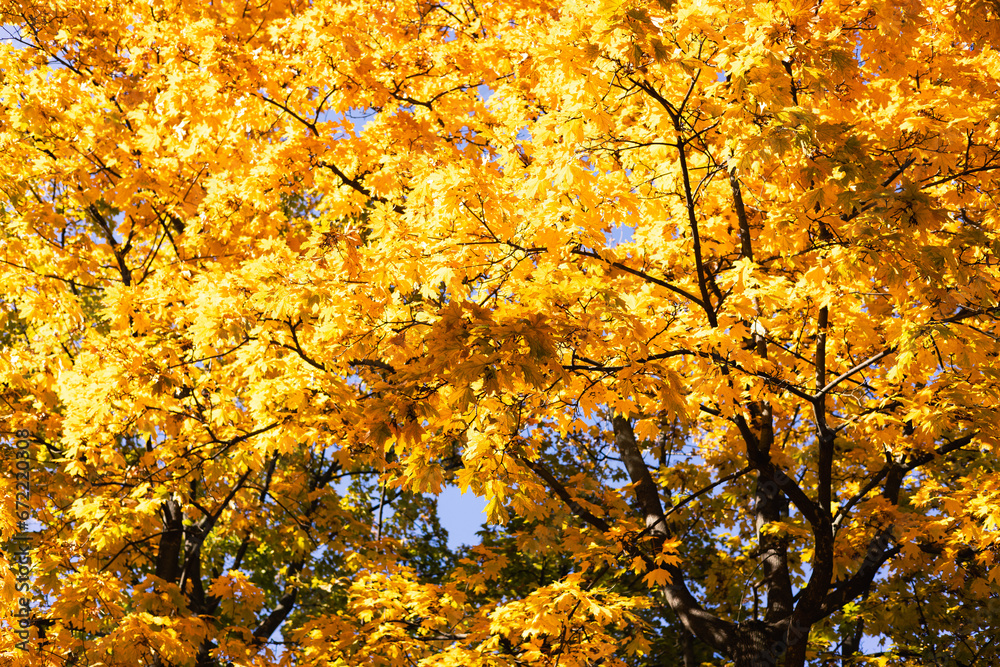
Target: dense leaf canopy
point(702, 297)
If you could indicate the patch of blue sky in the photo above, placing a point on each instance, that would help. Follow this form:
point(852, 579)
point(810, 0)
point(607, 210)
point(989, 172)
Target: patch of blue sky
point(359, 117)
point(619, 234)
point(461, 514)
point(11, 34)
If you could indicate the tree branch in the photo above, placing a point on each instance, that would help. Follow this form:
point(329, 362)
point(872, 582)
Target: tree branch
point(709, 628)
point(746, 249)
point(641, 274)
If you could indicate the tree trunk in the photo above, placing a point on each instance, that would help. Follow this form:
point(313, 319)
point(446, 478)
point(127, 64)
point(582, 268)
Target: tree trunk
point(168, 556)
point(754, 645)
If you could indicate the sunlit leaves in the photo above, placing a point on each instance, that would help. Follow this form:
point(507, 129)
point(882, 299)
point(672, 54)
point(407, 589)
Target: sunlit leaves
point(248, 335)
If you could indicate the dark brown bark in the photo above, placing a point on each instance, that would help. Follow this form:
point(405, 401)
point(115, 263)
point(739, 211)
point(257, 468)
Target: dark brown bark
point(645, 488)
point(703, 276)
point(746, 248)
point(772, 507)
point(686, 640)
point(754, 645)
point(285, 605)
point(707, 627)
point(825, 435)
point(168, 565)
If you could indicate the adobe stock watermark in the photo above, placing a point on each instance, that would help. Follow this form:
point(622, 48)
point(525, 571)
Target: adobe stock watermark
point(770, 656)
point(770, 487)
point(19, 548)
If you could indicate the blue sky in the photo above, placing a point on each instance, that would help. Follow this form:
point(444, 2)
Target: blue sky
point(461, 515)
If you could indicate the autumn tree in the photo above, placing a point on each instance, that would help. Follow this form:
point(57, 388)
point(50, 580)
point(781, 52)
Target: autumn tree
point(701, 297)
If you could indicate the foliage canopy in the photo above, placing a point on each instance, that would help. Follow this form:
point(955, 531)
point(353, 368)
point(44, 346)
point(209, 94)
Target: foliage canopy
point(701, 296)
